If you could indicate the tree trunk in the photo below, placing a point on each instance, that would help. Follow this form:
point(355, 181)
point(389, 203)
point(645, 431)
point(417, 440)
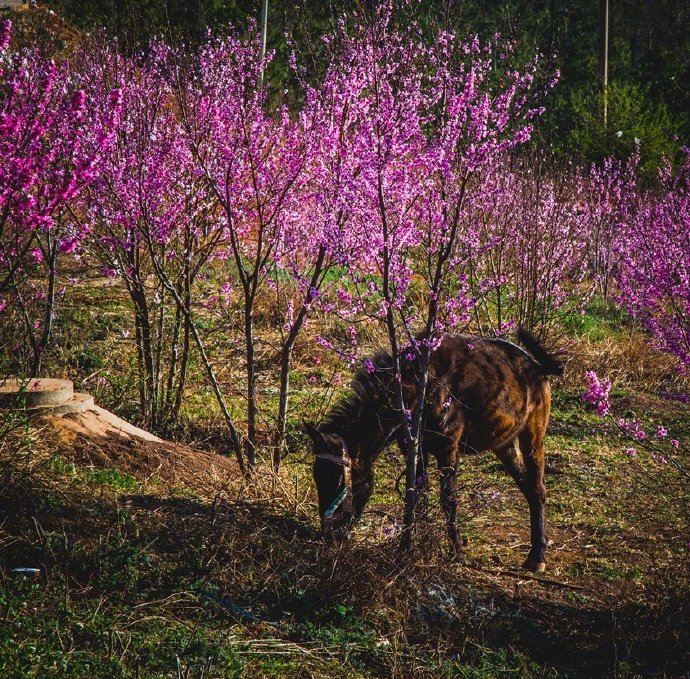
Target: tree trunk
point(250, 449)
point(286, 356)
point(210, 373)
point(49, 316)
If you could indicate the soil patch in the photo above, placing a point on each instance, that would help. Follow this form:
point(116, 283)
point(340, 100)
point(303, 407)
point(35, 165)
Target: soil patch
point(97, 438)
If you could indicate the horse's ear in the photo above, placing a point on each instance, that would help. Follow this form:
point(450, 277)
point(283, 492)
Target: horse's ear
point(314, 434)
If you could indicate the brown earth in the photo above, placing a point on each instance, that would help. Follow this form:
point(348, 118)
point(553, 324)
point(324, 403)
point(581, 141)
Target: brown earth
point(97, 438)
point(614, 593)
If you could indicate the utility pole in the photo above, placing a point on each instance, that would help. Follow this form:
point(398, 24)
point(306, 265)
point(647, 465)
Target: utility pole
point(264, 30)
point(604, 57)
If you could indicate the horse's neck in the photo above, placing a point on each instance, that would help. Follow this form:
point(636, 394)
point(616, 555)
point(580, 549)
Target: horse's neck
point(370, 442)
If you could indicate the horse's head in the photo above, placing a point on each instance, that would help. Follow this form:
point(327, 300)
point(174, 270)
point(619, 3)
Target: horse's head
point(333, 478)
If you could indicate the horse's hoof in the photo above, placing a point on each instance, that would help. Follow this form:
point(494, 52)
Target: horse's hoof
point(534, 566)
point(456, 556)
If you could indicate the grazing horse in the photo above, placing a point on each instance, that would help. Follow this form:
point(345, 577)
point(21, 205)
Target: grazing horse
point(482, 394)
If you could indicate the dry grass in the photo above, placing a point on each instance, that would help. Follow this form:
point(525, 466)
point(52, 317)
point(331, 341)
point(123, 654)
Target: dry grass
point(239, 565)
point(197, 572)
point(628, 360)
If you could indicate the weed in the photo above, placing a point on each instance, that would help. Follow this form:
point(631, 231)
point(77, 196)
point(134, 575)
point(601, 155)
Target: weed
point(113, 478)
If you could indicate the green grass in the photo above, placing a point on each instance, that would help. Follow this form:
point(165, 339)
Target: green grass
point(491, 665)
point(50, 632)
point(601, 319)
point(113, 478)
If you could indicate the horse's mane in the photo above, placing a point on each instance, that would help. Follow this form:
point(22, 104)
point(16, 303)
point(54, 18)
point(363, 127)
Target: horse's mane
point(367, 386)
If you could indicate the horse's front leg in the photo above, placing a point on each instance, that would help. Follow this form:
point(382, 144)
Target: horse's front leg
point(447, 463)
point(362, 487)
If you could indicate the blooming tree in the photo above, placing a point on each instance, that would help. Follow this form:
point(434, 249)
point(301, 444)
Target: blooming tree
point(430, 122)
point(249, 163)
point(537, 232)
point(139, 197)
point(609, 192)
point(653, 261)
point(51, 139)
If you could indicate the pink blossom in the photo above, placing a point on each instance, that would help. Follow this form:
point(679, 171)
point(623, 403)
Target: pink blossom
point(652, 255)
point(598, 393)
point(78, 100)
point(5, 34)
point(69, 245)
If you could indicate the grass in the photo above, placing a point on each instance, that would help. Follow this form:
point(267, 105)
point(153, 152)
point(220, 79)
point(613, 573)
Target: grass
point(53, 633)
point(153, 580)
point(144, 576)
point(600, 320)
point(113, 478)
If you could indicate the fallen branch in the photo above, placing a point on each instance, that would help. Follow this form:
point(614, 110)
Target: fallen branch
point(547, 581)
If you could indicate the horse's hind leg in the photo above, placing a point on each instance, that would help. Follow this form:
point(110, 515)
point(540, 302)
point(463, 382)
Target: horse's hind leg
point(532, 448)
point(511, 456)
point(523, 459)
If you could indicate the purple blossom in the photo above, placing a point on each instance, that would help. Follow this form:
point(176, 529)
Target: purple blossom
point(598, 393)
point(5, 34)
point(652, 255)
point(78, 100)
point(69, 245)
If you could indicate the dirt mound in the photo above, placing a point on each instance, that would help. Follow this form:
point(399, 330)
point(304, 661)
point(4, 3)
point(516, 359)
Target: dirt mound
point(99, 422)
point(98, 438)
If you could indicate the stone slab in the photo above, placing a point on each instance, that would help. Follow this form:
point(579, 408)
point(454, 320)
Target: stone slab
point(97, 421)
point(37, 392)
point(77, 404)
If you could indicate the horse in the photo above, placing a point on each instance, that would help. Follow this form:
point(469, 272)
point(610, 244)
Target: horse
point(482, 394)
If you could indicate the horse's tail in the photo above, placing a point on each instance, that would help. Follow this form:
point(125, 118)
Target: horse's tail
point(548, 363)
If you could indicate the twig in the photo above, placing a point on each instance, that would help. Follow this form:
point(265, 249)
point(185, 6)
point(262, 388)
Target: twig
point(548, 581)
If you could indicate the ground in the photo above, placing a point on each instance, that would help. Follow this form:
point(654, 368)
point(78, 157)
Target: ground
point(160, 560)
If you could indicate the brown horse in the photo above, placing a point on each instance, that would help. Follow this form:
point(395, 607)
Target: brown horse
point(483, 394)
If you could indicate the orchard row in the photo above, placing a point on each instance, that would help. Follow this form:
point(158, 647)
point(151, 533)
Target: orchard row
point(399, 188)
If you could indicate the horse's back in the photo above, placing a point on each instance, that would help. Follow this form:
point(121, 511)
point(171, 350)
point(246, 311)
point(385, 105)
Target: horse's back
point(483, 391)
